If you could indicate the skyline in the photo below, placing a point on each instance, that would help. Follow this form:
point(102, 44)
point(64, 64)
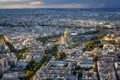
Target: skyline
point(59, 4)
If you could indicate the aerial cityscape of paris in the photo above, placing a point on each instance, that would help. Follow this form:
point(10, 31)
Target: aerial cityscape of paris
point(59, 39)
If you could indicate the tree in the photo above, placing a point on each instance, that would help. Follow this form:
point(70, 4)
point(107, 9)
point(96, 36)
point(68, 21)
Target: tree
point(44, 55)
point(63, 55)
point(88, 43)
point(58, 57)
point(45, 63)
point(28, 74)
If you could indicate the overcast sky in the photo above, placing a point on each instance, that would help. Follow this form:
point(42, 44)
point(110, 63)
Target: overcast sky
point(59, 3)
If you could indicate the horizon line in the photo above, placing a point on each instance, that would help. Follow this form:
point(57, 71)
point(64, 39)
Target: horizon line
point(62, 8)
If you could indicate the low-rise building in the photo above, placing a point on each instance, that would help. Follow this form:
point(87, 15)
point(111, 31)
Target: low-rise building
point(12, 59)
point(3, 47)
point(36, 55)
point(89, 75)
point(3, 64)
point(21, 65)
point(117, 68)
point(106, 68)
point(57, 70)
point(87, 64)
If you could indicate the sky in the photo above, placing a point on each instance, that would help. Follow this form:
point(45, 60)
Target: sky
point(59, 3)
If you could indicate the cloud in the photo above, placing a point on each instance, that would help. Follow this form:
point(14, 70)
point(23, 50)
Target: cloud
point(90, 5)
point(75, 5)
point(20, 3)
point(35, 3)
point(15, 6)
point(59, 3)
point(8, 0)
point(84, 3)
